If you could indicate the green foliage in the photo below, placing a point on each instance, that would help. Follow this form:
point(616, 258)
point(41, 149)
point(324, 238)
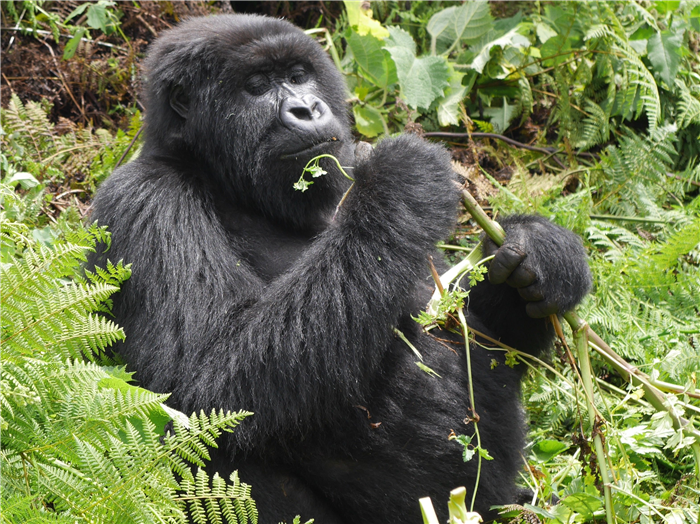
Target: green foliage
point(470, 449)
point(454, 25)
point(29, 15)
point(32, 144)
point(79, 443)
point(593, 66)
point(98, 15)
point(313, 168)
point(445, 312)
point(644, 255)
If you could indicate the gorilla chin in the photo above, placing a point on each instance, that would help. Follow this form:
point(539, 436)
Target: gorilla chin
point(244, 295)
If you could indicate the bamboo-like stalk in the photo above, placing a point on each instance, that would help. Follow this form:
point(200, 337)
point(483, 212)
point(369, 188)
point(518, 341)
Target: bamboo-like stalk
point(491, 228)
point(428, 511)
point(581, 340)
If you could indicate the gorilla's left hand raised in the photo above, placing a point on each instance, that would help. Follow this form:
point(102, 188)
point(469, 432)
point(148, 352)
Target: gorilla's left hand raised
point(544, 262)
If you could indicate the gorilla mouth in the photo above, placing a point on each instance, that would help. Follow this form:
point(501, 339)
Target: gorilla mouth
point(313, 150)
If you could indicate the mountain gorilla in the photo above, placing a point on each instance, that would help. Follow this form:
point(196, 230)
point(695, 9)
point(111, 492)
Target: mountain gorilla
point(249, 294)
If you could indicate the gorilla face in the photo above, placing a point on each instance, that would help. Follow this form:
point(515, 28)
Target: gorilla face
point(276, 101)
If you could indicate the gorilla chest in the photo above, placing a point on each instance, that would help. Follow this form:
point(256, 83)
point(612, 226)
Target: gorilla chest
point(266, 248)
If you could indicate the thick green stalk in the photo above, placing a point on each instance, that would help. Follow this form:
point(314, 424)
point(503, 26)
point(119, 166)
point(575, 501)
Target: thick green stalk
point(428, 511)
point(493, 229)
point(581, 340)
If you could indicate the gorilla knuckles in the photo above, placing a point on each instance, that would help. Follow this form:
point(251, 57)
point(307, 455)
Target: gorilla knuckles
point(246, 294)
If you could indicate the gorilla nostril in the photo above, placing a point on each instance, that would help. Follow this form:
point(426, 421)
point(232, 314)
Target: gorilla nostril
point(302, 113)
point(309, 113)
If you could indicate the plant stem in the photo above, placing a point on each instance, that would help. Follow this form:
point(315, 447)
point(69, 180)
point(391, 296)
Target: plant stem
point(581, 340)
point(629, 219)
point(492, 229)
point(675, 388)
point(428, 511)
point(337, 162)
point(465, 329)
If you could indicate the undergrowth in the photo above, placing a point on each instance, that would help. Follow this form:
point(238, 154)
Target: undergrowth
point(602, 103)
point(79, 442)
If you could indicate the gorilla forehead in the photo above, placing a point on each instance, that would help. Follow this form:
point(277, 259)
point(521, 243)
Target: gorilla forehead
point(233, 45)
point(232, 30)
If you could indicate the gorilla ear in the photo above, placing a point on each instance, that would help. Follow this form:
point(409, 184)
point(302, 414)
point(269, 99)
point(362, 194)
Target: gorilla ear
point(179, 101)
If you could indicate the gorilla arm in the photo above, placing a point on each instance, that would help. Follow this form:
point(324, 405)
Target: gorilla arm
point(311, 340)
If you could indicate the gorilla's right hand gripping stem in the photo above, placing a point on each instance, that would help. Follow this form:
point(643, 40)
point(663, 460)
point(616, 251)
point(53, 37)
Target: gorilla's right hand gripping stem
point(630, 373)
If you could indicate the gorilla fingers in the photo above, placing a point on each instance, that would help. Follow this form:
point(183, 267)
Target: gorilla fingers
point(544, 262)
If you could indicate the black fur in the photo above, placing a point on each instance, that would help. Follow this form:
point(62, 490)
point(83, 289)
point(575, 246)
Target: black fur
point(247, 294)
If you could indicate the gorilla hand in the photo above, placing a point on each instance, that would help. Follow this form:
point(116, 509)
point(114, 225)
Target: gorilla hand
point(409, 183)
point(544, 262)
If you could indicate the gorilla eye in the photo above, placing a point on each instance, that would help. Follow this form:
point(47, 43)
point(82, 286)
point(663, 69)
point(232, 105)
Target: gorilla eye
point(257, 84)
point(298, 76)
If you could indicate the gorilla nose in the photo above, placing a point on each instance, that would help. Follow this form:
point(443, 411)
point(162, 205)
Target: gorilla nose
point(308, 113)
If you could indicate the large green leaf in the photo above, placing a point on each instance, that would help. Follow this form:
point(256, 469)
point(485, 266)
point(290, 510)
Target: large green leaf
point(583, 503)
point(663, 50)
point(695, 18)
point(511, 38)
point(375, 63)
point(664, 6)
point(547, 449)
point(368, 120)
point(448, 106)
point(468, 22)
point(422, 80)
point(544, 32)
point(400, 38)
point(501, 117)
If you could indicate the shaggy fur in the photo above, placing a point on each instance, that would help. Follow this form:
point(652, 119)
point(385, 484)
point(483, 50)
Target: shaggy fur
point(247, 294)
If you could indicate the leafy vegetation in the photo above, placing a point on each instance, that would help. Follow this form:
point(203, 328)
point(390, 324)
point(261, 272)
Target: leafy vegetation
point(79, 443)
point(601, 101)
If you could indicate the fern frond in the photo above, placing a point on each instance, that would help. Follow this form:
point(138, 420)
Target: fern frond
point(688, 106)
point(526, 99)
point(638, 165)
point(17, 508)
point(596, 126)
point(220, 503)
point(641, 80)
point(678, 244)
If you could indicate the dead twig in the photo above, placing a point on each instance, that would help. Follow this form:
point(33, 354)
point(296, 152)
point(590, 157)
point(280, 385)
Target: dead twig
point(544, 150)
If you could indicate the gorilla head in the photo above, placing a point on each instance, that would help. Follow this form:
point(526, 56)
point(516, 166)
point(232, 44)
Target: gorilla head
point(253, 99)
